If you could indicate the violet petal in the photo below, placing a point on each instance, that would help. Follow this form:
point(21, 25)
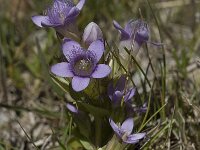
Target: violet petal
point(137, 136)
point(62, 69)
point(70, 48)
point(80, 4)
point(130, 141)
point(127, 125)
point(130, 27)
point(72, 108)
point(129, 94)
point(72, 13)
point(114, 127)
point(97, 47)
point(80, 83)
point(39, 20)
point(124, 34)
point(101, 71)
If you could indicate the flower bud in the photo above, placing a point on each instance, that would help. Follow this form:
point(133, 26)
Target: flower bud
point(92, 33)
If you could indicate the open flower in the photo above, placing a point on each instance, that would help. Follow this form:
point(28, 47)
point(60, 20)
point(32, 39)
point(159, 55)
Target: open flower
point(117, 92)
point(92, 33)
point(59, 15)
point(136, 32)
point(124, 131)
point(82, 64)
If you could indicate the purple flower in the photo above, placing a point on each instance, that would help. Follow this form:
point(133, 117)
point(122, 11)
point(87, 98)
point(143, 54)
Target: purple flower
point(124, 131)
point(117, 92)
point(92, 33)
point(135, 31)
point(82, 64)
point(59, 15)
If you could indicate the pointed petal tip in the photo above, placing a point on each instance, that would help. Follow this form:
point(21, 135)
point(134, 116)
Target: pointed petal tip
point(80, 4)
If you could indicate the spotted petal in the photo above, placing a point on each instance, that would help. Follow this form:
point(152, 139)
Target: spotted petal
point(101, 71)
point(80, 83)
point(127, 126)
point(97, 47)
point(62, 69)
point(70, 48)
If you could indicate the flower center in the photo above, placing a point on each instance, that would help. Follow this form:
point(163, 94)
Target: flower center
point(83, 67)
point(125, 136)
point(62, 17)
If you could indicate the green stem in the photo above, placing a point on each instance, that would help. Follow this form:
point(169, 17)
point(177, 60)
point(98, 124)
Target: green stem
point(98, 127)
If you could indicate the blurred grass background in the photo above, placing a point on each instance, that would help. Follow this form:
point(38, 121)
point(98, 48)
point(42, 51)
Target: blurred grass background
point(28, 95)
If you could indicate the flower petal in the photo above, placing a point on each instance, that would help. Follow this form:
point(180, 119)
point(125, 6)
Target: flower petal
point(127, 125)
point(72, 108)
point(80, 4)
point(124, 34)
point(70, 48)
point(137, 136)
point(72, 13)
point(97, 47)
point(80, 83)
point(114, 127)
point(101, 71)
point(62, 69)
point(38, 20)
point(130, 26)
point(129, 94)
point(129, 141)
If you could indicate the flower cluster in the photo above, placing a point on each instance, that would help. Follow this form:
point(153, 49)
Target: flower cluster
point(82, 64)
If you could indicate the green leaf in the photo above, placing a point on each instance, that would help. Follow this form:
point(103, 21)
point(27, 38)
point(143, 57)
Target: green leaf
point(87, 145)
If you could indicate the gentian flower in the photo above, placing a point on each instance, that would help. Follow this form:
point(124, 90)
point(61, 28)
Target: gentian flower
point(82, 64)
point(135, 32)
point(59, 15)
point(117, 92)
point(92, 33)
point(123, 131)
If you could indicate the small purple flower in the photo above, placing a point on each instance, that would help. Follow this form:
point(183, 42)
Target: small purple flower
point(82, 64)
point(124, 131)
point(117, 92)
point(59, 15)
point(135, 31)
point(92, 33)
